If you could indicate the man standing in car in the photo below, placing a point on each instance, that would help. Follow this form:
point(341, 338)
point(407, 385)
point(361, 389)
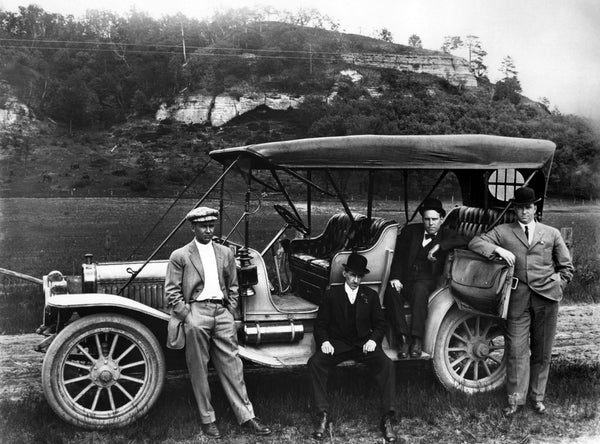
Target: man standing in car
point(543, 267)
point(202, 289)
point(418, 263)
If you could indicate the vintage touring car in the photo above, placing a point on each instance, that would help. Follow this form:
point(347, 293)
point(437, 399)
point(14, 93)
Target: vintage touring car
point(106, 358)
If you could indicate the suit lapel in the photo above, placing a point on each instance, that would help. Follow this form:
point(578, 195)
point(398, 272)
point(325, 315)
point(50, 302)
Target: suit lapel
point(195, 259)
point(361, 298)
point(415, 244)
point(219, 260)
point(520, 234)
point(537, 235)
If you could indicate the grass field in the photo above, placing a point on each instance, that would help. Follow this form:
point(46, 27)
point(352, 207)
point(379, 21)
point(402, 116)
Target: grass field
point(426, 412)
point(40, 235)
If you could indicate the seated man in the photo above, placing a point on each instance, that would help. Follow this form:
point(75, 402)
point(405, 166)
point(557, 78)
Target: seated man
point(350, 325)
point(418, 263)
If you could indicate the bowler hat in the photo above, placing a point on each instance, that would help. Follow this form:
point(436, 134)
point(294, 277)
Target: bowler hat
point(202, 214)
point(524, 196)
point(432, 204)
point(357, 264)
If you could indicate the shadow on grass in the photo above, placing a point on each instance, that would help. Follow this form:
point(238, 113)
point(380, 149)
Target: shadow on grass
point(426, 412)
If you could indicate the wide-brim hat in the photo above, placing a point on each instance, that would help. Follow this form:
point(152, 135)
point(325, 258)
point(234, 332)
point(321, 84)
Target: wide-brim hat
point(357, 264)
point(202, 214)
point(524, 196)
point(432, 204)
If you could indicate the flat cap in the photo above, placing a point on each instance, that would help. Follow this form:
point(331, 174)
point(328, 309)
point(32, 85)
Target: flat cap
point(203, 214)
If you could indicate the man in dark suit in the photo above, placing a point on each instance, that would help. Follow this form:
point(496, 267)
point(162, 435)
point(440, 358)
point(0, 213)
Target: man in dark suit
point(202, 289)
point(350, 325)
point(418, 263)
point(543, 267)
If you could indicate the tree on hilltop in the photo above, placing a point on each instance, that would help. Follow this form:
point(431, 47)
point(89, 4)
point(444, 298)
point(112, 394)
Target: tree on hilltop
point(508, 68)
point(476, 55)
point(415, 41)
point(451, 42)
point(385, 35)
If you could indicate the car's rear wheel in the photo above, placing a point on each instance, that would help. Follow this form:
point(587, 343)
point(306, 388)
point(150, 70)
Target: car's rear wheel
point(104, 370)
point(469, 352)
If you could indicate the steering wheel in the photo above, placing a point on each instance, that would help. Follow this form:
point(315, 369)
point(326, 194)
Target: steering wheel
point(290, 219)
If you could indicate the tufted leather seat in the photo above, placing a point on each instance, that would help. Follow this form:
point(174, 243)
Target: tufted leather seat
point(471, 221)
point(319, 250)
point(310, 259)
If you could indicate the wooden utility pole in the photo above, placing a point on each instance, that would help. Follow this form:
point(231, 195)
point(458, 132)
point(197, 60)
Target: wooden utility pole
point(183, 42)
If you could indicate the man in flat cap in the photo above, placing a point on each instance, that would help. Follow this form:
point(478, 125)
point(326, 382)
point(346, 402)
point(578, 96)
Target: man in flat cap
point(543, 267)
point(202, 289)
point(418, 263)
point(350, 324)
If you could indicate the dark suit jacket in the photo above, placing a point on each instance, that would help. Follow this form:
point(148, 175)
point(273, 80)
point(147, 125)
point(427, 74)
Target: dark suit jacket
point(408, 244)
point(545, 265)
point(370, 320)
point(185, 278)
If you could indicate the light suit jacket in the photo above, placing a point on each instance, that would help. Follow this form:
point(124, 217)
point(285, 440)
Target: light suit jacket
point(185, 278)
point(545, 265)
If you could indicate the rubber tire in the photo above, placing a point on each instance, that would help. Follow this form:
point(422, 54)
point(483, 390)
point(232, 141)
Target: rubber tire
point(146, 346)
point(449, 377)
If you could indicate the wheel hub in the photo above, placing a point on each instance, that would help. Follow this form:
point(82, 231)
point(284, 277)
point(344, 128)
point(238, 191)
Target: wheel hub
point(481, 350)
point(105, 373)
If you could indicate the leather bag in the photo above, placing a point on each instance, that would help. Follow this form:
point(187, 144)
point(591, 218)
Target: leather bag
point(175, 334)
point(479, 284)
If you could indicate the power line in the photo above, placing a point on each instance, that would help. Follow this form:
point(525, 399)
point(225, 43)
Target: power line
point(177, 52)
point(176, 45)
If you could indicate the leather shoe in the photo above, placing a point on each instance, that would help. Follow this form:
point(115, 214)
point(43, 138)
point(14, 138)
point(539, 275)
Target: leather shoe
point(416, 347)
point(539, 407)
point(387, 428)
point(324, 425)
point(402, 347)
point(211, 430)
point(255, 426)
point(511, 410)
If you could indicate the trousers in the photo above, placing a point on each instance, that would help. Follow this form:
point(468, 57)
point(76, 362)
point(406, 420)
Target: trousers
point(210, 334)
point(417, 293)
point(380, 366)
point(529, 340)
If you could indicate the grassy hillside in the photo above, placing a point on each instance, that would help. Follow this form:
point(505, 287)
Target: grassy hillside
point(102, 84)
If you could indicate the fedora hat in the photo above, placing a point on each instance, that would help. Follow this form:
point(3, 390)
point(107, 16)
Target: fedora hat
point(524, 196)
point(357, 264)
point(432, 204)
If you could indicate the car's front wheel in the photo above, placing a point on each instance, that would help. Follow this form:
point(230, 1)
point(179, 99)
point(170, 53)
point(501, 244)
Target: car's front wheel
point(103, 370)
point(469, 352)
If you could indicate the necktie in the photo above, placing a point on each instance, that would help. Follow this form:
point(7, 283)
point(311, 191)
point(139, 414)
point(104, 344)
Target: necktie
point(527, 233)
point(429, 236)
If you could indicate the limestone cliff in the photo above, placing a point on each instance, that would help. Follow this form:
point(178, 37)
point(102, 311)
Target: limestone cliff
point(12, 111)
point(216, 111)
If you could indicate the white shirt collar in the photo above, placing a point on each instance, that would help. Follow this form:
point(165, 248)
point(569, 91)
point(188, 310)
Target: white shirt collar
point(350, 293)
point(202, 246)
point(530, 227)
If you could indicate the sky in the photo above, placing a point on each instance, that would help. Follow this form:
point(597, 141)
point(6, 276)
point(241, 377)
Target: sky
point(555, 44)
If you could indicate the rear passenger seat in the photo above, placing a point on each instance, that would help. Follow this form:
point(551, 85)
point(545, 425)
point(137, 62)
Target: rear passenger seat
point(310, 259)
point(471, 221)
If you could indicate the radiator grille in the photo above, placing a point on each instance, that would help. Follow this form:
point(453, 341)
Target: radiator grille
point(151, 293)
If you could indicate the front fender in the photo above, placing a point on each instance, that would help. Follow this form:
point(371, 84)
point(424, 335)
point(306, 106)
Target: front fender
point(79, 300)
point(439, 304)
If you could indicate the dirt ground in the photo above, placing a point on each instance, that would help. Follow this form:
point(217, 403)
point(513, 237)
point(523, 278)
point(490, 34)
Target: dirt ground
point(578, 339)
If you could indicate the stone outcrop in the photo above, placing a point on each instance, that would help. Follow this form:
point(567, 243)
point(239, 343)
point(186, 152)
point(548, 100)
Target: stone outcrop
point(12, 112)
point(216, 111)
point(454, 69)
